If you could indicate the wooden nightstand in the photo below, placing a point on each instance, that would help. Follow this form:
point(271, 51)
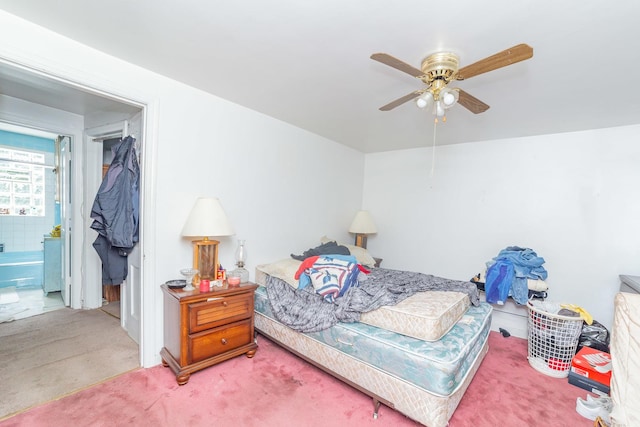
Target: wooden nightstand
point(202, 329)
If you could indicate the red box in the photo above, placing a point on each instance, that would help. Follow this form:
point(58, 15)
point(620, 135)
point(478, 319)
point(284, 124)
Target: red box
point(592, 364)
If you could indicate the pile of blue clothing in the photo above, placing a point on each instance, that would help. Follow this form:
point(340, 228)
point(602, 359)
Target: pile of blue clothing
point(507, 274)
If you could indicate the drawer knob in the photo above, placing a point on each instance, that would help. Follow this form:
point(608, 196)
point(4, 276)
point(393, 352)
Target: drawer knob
point(223, 341)
point(225, 303)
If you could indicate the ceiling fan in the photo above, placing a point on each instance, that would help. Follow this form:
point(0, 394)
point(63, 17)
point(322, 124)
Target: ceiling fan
point(440, 69)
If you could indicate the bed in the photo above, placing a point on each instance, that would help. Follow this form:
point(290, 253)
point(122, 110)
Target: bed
point(421, 371)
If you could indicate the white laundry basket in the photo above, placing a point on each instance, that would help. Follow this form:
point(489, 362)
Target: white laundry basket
point(553, 338)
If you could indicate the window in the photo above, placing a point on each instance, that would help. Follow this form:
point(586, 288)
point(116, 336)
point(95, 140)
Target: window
point(22, 182)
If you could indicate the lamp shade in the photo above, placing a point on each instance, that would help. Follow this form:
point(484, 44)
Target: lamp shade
point(207, 218)
point(363, 224)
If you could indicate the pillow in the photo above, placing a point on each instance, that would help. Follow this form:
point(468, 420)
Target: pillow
point(284, 269)
point(362, 255)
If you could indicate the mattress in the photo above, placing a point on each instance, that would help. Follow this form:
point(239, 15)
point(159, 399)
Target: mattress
point(625, 347)
point(439, 367)
point(426, 315)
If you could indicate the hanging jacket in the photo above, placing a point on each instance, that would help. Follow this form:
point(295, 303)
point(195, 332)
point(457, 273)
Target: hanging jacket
point(115, 213)
point(115, 209)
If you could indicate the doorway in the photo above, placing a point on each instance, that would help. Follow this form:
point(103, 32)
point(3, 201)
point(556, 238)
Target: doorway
point(98, 145)
point(64, 108)
point(31, 252)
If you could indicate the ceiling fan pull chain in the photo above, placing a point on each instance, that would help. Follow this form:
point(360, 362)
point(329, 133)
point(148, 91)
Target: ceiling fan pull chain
point(433, 148)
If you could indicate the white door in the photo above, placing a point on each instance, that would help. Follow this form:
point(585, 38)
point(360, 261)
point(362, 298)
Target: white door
point(64, 193)
point(131, 296)
point(131, 288)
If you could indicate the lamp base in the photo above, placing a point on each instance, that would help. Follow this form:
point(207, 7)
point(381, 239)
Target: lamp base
point(361, 240)
point(205, 259)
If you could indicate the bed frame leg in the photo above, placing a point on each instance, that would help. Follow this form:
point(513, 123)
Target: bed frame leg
point(376, 406)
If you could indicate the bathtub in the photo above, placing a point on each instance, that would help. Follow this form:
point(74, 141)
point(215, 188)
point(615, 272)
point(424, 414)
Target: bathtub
point(21, 269)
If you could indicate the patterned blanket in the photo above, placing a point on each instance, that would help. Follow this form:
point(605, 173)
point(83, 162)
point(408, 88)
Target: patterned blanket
point(306, 311)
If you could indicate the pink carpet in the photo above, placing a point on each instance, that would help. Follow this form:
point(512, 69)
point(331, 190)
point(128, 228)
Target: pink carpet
point(276, 388)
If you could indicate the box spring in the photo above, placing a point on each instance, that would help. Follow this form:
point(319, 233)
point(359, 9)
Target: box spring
point(423, 380)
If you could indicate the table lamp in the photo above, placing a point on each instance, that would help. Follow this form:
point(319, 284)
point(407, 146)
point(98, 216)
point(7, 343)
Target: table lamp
point(362, 225)
point(206, 219)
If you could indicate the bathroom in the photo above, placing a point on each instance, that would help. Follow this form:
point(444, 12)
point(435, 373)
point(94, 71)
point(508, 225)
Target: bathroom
point(28, 214)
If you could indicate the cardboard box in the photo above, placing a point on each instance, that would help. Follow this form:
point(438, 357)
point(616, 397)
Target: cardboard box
point(592, 364)
point(587, 384)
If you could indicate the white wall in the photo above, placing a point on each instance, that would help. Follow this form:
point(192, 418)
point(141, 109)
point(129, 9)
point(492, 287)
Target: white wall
point(282, 187)
point(573, 198)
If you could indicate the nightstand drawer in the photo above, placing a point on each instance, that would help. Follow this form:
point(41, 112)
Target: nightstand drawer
point(220, 340)
point(219, 311)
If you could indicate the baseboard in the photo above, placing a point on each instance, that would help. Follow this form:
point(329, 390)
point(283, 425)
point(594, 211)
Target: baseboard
point(511, 317)
point(515, 324)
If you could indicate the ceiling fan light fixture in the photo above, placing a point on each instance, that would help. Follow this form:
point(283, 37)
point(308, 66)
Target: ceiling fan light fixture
point(449, 98)
point(425, 100)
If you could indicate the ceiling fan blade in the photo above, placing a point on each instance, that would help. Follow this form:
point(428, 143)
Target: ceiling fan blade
point(471, 103)
point(501, 59)
point(400, 101)
point(397, 64)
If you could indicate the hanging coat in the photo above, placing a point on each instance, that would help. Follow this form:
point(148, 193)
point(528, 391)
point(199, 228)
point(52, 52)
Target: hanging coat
point(115, 212)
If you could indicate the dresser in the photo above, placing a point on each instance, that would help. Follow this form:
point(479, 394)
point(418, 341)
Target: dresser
point(205, 328)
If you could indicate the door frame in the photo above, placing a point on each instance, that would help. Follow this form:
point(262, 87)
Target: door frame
point(127, 93)
point(64, 166)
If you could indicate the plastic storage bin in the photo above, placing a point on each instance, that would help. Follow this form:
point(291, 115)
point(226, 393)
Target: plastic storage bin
point(552, 338)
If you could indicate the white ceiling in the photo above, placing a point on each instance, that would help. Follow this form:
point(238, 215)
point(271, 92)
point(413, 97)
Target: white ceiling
point(307, 62)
